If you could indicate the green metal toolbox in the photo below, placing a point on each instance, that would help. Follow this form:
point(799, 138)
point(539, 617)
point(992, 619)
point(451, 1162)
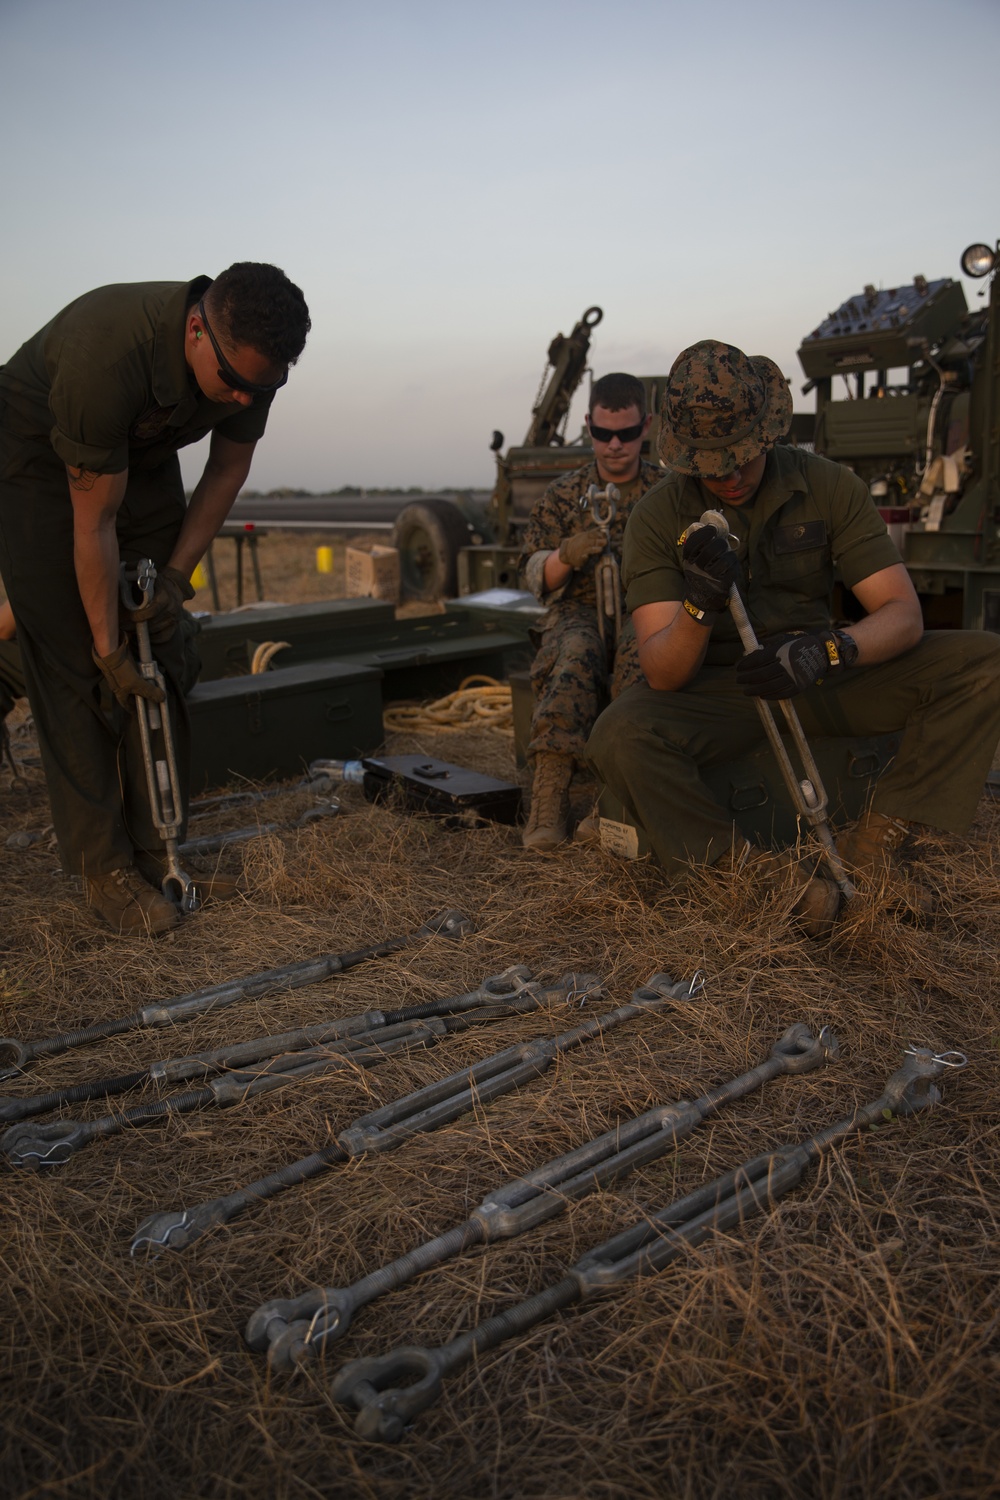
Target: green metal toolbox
point(275, 723)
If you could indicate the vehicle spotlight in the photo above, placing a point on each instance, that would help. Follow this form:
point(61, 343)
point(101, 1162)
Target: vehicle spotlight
point(978, 260)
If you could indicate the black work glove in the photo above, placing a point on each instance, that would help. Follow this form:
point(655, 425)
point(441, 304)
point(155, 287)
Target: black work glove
point(784, 665)
point(575, 550)
point(124, 678)
point(710, 570)
point(163, 612)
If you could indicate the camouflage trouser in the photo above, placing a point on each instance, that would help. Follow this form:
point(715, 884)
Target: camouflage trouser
point(570, 680)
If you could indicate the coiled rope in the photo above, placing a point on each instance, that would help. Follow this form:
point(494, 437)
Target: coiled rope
point(480, 702)
point(265, 654)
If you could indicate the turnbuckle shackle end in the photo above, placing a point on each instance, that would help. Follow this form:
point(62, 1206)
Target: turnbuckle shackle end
point(452, 923)
point(385, 1409)
point(579, 988)
point(799, 1051)
point(174, 1229)
point(292, 1331)
point(141, 576)
point(661, 986)
point(35, 1146)
point(179, 888)
point(13, 1056)
point(911, 1087)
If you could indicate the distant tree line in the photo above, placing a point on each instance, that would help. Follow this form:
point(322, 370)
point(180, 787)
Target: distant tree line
point(287, 493)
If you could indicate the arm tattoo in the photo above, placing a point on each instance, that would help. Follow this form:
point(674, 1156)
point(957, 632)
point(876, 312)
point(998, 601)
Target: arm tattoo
point(82, 479)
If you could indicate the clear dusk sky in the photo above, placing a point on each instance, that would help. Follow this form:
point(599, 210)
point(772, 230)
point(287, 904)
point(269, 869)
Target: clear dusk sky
point(453, 182)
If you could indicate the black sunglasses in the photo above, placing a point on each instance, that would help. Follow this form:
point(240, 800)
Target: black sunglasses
point(623, 434)
point(233, 379)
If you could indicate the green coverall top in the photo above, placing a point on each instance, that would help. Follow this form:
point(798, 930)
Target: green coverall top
point(808, 515)
point(941, 697)
point(105, 384)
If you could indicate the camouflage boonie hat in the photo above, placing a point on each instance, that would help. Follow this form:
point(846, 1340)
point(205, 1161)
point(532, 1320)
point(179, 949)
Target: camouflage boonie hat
point(721, 409)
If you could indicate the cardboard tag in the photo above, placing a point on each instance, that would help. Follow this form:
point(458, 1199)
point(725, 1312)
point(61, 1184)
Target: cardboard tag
point(620, 839)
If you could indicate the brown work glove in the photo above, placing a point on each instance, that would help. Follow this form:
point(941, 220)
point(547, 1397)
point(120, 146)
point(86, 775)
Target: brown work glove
point(163, 612)
point(124, 678)
point(576, 549)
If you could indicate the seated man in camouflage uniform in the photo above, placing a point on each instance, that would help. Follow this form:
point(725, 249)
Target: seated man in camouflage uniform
point(570, 674)
point(791, 516)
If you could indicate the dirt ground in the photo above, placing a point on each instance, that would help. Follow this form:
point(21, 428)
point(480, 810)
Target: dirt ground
point(288, 567)
point(845, 1344)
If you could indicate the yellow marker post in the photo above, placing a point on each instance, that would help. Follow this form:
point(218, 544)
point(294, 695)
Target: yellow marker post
point(324, 559)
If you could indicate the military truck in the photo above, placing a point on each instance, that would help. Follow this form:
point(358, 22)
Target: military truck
point(452, 548)
point(907, 383)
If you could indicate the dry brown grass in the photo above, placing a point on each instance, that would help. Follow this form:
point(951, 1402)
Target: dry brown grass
point(846, 1345)
point(849, 1344)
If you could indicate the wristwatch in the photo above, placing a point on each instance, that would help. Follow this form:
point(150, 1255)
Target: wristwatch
point(842, 649)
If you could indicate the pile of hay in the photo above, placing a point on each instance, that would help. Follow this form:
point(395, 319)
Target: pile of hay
point(845, 1344)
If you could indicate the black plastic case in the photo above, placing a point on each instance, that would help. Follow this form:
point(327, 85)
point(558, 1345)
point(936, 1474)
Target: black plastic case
point(434, 786)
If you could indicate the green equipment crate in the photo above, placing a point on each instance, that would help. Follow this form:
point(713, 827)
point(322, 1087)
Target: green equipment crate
point(754, 792)
point(227, 641)
point(274, 724)
point(419, 658)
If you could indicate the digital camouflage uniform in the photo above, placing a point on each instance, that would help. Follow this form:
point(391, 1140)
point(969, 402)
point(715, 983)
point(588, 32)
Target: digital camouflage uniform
point(105, 387)
point(569, 676)
point(943, 695)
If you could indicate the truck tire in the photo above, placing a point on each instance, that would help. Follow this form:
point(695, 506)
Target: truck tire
point(428, 535)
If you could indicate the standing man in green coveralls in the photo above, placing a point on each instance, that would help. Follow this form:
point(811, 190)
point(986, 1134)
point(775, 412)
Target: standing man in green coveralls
point(93, 410)
point(570, 675)
point(791, 516)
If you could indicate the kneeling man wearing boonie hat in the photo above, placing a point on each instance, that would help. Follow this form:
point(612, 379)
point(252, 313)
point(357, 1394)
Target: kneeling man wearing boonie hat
point(791, 517)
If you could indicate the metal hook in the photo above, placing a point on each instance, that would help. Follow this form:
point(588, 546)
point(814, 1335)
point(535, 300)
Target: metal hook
point(583, 987)
point(939, 1057)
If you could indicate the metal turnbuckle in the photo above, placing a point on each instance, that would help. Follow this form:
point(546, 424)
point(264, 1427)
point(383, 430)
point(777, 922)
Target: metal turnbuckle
point(603, 507)
point(50, 1145)
point(293, 1057)
point(512, 991)
point(422, 1111)
point(15, 1054)
point(156, 733)
point(292, 1331)
point(385, 1407)
point(806, 790)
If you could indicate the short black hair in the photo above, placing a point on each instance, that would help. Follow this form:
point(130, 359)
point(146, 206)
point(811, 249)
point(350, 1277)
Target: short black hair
point(617, 392)
point(255, 305)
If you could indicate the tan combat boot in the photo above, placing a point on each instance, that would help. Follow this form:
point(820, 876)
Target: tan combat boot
point(548, 821)
point(130, 904)
point(869, 850)
point(209, 887)
point(818, 903)
point(588, 830)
